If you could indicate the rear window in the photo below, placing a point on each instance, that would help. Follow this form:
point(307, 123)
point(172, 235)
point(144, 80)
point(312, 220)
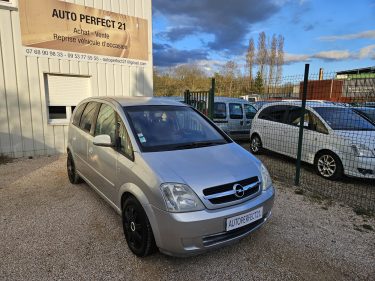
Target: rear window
point(220, 110)
point(235, 111)
point(274, 113)
point(78, 114)
point(87, 118)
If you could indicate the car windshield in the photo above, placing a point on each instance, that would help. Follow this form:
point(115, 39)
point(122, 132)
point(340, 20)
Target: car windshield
point(344, 119)
point(162, 128)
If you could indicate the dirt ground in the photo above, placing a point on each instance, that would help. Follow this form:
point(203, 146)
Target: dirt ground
point(52, 230)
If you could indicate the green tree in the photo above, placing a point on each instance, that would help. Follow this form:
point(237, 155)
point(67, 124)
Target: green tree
point(258, 87)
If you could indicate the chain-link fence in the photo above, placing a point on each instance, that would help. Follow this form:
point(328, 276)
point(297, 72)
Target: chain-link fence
point(333, 133)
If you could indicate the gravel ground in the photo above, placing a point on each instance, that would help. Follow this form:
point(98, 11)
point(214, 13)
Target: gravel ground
point(353, 191)
point(52, 230)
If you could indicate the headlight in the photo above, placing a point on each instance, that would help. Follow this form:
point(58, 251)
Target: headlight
point(362, 150)
point(180, 198)
point(266, 178)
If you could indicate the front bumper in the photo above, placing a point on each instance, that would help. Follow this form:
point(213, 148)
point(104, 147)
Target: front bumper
point(184, 234)
point(361, 167)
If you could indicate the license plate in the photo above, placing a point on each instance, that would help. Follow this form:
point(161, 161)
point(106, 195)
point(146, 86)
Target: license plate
point(244, 219)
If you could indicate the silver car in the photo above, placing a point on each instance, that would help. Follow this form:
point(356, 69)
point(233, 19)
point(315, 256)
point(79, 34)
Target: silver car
point(180, 184)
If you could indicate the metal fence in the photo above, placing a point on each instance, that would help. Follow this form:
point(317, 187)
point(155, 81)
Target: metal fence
point(315, 131)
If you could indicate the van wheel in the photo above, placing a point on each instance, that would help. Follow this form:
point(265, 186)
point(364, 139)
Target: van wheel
point(255, 144)
point(74, 178)
point(137, 228)
point(328, 165)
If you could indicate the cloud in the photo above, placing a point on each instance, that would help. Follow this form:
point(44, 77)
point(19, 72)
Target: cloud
point(370, 34)
point(333, 55)
point(308, 27)
point(165, 55)
point(292, 58)
point(368, 51)
point(178, 33)
point(228, 21)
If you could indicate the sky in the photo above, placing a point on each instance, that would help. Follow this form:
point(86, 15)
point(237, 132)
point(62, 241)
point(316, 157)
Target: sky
point(333, 35)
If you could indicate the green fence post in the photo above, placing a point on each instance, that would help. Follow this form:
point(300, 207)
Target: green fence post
point(301, 125)
point(187, 97)
point(211, 98)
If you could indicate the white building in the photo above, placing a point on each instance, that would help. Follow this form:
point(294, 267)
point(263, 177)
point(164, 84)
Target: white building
point(55, 53)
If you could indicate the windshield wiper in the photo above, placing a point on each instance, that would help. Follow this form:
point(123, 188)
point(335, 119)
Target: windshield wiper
point(199, 144)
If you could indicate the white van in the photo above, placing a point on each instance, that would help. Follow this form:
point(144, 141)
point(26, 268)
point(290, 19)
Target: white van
point(336, 140)
point(234, 116)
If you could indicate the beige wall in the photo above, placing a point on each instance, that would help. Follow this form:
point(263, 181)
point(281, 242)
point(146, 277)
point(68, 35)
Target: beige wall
point(24, 129)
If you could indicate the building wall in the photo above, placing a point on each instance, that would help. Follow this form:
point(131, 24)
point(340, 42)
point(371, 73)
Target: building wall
point(24, 128)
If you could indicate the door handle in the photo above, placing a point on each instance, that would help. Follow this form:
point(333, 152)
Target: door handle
point(241, 123)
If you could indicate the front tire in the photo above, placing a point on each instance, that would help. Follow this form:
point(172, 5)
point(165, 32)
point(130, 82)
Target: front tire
point(255, 144)
point(328, 165)
point(74, 178)
point(137, 228)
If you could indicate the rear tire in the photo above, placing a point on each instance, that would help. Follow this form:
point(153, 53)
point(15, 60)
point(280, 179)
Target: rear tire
point(137, 228)
point(328, 165)
point(255, 144)
point(74, 178)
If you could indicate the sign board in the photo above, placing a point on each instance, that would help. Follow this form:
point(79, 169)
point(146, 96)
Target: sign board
point(64, 30)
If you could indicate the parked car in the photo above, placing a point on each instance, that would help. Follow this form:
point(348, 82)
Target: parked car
point(366, 112)
point(178, 181)
point(234, 116)
point(336, 140)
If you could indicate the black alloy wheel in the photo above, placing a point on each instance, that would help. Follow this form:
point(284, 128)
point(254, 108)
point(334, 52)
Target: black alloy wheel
point(137, 228)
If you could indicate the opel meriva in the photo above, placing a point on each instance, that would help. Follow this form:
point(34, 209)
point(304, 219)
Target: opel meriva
point(179, 182)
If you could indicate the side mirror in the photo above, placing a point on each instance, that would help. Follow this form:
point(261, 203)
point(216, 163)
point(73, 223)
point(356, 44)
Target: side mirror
point(103, 140)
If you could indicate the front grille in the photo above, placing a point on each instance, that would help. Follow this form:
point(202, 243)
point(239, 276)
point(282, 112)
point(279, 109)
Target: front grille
point(226, 193)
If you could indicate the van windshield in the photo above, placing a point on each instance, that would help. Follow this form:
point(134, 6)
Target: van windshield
point(163, 128)
point(344, 119)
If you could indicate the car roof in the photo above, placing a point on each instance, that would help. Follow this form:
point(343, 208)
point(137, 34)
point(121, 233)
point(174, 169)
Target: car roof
point(137, 101)
point(311, 104)
point(363, 108)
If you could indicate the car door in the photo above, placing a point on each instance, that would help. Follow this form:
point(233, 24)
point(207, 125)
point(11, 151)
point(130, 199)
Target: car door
point(272, 127)
point(314, 134)
point(125, 158)
point(250, 112)
point(236, 118)
point(103, 159)
point(83, 137)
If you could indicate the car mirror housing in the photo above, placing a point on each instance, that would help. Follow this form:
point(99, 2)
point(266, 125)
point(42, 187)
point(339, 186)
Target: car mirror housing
point(103, 140)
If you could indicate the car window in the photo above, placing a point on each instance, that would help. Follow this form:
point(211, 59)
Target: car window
point(163, 128)
point(317, 125)
point(235, 111)
point(294, 116)
point(106, 122)
point(78, 113)
point(250, 111)
point(87, 118)
point(342, 118)
point(274, 113)
point(220, 110)
point(124, 144)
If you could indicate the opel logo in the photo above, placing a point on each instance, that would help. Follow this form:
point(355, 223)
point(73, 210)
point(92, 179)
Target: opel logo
point(239, 191)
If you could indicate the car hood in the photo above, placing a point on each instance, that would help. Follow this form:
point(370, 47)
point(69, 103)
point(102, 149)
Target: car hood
point(204, 167)
point(364, 137)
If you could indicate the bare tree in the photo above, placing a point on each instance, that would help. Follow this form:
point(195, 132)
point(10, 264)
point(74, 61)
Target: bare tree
point(280, 58)
point(272, 60)
point(262, 53)
point(250, 57)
